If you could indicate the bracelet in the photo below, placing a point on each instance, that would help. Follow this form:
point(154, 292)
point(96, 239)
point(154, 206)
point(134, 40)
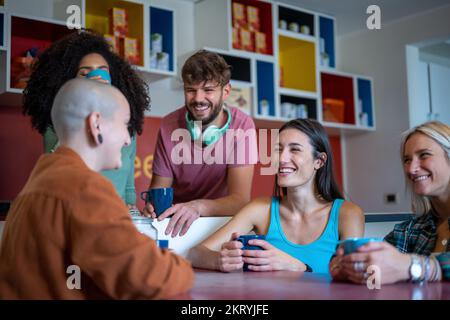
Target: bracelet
point(437, 269)
point(426, 276)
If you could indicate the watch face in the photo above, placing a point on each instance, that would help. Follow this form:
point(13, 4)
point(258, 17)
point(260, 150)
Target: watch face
point(416, 271)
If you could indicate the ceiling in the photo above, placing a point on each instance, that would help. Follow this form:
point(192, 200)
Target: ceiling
point(351, 14)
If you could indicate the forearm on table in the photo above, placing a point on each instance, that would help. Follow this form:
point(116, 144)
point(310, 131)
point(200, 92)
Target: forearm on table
point(202, 257)
point(226, 206)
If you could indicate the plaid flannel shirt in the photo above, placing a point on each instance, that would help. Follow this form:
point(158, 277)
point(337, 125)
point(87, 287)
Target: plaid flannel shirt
point(419, 235)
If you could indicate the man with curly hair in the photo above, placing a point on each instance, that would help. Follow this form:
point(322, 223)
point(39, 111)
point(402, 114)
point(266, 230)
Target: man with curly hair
point(75, 56)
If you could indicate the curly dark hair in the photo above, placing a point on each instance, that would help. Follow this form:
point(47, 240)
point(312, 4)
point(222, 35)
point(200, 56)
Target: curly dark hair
point(59, 63)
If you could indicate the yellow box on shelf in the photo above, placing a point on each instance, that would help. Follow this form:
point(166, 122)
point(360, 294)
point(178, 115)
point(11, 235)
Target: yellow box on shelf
point(297, 61)
point(98, 18)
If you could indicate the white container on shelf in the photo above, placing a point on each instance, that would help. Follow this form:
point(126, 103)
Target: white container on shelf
point(294, 27)
point(364, 119)
point(302, 111)
point(286, 109)
point(156, 42)
point(153, 61)
point(265, 106)
point(322, 45)
point(305, 30)
point(162, 61)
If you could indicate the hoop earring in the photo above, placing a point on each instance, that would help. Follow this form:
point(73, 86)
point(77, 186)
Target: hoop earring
point(100, 138)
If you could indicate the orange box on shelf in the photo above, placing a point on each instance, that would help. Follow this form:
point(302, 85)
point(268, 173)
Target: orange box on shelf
point(118, 22)
point(115, 43)
point(236, 40)
point(253, 18)
point(131, 50)
point(260, 42)
point(239, 19)
point(247, 40)
point(21, 68)
point(333, 110)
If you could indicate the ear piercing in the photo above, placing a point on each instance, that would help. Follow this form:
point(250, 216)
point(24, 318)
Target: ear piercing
point(100, 138)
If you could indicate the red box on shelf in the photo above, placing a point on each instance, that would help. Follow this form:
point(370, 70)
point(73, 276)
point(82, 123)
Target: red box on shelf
point(118, 22)
point(21, 68)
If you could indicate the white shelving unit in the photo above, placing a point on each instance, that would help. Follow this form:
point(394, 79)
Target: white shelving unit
point(51, 12)
point(303, 47)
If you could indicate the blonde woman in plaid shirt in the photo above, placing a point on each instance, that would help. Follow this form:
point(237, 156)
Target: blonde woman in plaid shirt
point(418, 249)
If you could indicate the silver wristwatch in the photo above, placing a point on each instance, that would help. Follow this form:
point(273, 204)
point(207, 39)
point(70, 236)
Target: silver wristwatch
point(415, 269)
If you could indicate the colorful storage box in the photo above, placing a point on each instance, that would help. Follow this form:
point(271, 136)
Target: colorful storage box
point(118, 22)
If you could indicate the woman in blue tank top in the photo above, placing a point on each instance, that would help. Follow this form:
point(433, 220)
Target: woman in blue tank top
point(302, 222)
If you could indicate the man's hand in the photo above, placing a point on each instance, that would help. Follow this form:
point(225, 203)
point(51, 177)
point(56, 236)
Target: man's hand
point(182, 216)
point(149, 211)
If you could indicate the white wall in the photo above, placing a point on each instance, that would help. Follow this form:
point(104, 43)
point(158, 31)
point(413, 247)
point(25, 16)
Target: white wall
point(373, 161)
point(427, 81)
point(418, 96)
point(440, 93)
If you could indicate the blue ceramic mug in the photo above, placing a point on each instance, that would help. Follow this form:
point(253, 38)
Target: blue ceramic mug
point(245, 239)
point(351, 245)
point(160, 198)
point(99, 72)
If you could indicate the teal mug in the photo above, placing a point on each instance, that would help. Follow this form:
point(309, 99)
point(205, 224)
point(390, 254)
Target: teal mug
point(351, 245)
point(160, 198)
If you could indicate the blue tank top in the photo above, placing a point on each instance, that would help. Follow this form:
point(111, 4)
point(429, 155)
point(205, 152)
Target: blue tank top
point(316, 254)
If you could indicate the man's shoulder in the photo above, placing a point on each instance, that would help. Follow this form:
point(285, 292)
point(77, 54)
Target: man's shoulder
point(172, 120)
point(240, 118)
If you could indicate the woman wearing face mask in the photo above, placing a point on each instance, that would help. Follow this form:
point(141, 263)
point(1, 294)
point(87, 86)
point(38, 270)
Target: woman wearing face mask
point(76, 55)
point(415, 250)
point(302, 222)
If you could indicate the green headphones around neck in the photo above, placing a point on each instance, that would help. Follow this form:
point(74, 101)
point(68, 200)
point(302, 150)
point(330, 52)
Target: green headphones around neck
point(211, 133)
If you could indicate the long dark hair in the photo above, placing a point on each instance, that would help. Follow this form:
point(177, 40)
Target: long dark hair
point(59, 63)
point(325, 182)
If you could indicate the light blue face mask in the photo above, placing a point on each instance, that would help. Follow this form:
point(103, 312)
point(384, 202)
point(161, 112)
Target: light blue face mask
point(100, 72)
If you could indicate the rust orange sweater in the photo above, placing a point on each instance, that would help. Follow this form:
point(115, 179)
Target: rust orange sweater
point(69, 215)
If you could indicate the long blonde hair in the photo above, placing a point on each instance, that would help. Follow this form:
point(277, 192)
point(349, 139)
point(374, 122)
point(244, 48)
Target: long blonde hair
point(440, 133)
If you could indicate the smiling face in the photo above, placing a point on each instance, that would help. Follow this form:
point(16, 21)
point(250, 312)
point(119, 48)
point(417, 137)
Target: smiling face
point(115, 133)
point(204, 101)
point(426, 166)
point(297, 165)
